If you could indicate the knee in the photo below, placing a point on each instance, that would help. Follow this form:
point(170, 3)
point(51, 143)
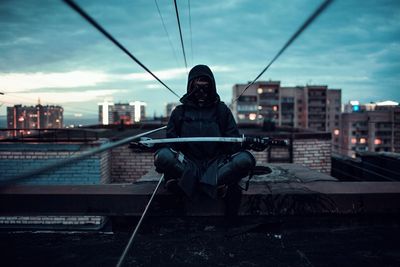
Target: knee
point(164, 158)
point(244, 161)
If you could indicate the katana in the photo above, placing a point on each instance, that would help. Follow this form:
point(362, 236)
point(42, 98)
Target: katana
point(266, 141)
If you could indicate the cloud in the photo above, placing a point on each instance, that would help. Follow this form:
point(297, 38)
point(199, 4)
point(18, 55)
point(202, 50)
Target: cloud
point(170, 74)
point(58, 98)
point(154, 86)
point(165, 75)
point(18, 82)
point(20, 41)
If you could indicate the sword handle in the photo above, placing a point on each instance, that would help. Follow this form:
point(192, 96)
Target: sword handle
point(262, 143)
point(278, 142)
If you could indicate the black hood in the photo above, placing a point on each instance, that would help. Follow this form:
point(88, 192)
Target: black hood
point(195, 72)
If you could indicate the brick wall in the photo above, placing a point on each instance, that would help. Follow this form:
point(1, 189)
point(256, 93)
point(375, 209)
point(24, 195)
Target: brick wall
point(54, 222)
point(18, 158)
point(127, 166)
point(313, 153)
point(278, 154)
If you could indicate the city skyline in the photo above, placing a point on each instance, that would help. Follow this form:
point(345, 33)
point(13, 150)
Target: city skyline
point(51, 53)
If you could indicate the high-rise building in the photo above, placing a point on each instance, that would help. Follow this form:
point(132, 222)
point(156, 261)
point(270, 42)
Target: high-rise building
point(311, 106)
point(34, 117)
point(370, 127)
point(129, 113)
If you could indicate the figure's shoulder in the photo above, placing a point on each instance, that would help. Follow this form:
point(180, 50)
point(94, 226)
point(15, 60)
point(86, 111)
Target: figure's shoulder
point(222, 107)
point(178, 108)
point(177, 111)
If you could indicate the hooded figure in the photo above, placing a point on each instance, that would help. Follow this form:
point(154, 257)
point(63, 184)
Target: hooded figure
point(195, 167)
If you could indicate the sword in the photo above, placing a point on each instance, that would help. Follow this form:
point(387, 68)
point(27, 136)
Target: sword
point(265, 141)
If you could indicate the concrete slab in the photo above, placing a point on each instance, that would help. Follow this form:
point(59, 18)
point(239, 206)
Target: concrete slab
point(279, 172)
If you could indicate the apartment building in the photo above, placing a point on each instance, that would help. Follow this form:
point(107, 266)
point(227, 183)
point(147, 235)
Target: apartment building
point(371, 127)
point(128, 113)
point(312, 106)
point(34, 117)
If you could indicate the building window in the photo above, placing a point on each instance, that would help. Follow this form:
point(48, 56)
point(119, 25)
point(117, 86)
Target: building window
point(377, 141)
point(353, 140)
point(363, 140)
point(252, 116)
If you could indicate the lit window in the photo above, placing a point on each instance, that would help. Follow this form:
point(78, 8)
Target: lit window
point(353, 140)
point(241, 116)
point(21, 119)
point(275, 108)
point(336, 132)
point(259, 107)
point(260, 90)
point(377, 141)
point(252, 116)
point(260, 116)
point(363, 140)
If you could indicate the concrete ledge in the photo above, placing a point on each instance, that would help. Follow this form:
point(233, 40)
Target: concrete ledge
point(272, 199)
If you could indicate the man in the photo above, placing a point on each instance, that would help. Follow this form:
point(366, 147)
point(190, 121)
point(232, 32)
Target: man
point(209, 167)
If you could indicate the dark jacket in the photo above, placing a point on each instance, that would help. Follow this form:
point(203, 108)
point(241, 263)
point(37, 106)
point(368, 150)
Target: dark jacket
point(214, 119)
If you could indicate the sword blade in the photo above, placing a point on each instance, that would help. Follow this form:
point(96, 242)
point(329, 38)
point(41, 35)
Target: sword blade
point(191, 139)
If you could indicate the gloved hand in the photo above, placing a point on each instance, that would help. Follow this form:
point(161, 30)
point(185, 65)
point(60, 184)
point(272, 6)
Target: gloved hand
point(255, 143)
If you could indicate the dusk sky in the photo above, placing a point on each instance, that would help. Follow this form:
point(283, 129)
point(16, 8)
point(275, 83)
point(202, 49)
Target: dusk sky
point(50, 52)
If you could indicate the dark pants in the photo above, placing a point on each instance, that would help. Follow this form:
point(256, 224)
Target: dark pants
point(230, 170)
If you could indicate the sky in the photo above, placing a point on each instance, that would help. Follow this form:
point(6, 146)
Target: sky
point(49, 52)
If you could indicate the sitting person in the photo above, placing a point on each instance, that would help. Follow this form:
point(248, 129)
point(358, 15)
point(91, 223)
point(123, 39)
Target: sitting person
point(210, 167)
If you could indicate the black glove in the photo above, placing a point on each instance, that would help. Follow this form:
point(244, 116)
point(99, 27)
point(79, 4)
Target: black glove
point(255, 143)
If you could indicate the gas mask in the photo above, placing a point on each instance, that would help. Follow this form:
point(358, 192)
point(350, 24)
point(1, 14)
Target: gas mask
point(201, 89)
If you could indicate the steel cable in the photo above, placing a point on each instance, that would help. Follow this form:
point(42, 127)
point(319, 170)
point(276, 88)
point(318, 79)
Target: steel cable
point(180, 34)
point(190, 28)
point(166, 32)
point(74, 6)
point(313, 16)
point(130, 242)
